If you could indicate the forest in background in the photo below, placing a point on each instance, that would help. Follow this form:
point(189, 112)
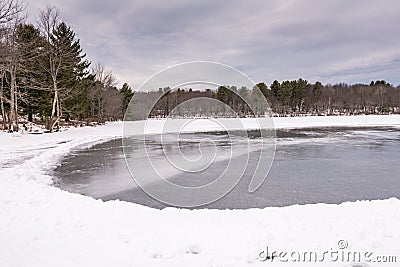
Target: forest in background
point(46, 79)
point(287, 98)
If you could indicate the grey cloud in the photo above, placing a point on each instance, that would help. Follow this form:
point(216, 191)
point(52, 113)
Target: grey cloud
point(330, 41)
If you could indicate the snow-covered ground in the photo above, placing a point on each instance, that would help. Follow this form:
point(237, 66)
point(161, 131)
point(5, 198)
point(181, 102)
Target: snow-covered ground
point(41, 225)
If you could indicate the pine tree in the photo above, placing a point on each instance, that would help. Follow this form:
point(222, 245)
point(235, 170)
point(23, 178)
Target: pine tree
point(33, 100)
point(263, 88)
point(275, 87)
point(127, 94)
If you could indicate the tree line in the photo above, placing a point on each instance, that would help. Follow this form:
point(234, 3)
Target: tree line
point(301, 97)
point(286, 98)
point(45, 76)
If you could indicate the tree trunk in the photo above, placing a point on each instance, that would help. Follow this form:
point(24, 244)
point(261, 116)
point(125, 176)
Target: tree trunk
point(3, 112)
point(13, 103)
point(55, 119)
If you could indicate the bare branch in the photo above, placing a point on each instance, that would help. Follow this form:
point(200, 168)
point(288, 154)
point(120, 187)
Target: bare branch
point(9, 9)
point(107, 78)
point(49, 18)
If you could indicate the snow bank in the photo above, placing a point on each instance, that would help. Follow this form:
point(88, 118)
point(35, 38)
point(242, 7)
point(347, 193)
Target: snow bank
point(44, 226)
point(335, 121)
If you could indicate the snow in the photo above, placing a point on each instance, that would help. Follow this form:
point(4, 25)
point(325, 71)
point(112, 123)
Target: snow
point(335, 121)
point(41, 225)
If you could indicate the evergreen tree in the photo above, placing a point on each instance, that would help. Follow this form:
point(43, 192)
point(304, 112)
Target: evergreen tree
point(73, 74)
point(263, 88)
point(127, 94)
point(275, 87)
point(32, 100)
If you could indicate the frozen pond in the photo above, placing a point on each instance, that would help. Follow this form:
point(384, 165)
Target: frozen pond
point(328, 165)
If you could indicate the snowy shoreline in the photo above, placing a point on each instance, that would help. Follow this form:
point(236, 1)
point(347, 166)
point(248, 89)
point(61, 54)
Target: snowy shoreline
point(43, 226)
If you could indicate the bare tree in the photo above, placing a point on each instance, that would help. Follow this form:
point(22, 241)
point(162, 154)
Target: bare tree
point(64, 63)
point(10, 60)
point(103, 95)
point(49, 19)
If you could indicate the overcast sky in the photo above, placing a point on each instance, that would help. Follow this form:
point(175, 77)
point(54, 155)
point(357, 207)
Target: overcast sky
point(330, 41)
